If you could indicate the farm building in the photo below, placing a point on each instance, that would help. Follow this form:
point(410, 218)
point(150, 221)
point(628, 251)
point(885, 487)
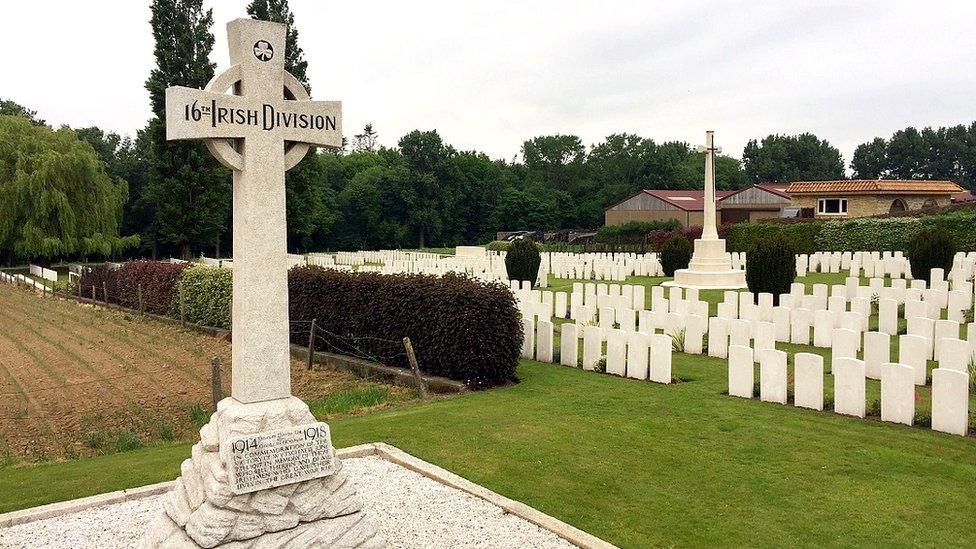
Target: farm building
point(755, 202)
point(860, 198)
point(761, 201)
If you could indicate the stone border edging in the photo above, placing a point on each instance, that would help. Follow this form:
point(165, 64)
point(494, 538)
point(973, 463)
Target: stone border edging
point(379, 449)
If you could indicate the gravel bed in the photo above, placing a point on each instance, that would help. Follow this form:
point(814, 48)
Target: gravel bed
point(411, 510)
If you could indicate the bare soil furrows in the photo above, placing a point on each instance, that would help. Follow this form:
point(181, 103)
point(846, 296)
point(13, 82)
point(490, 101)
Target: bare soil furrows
point(153, 374)
point(79, 380)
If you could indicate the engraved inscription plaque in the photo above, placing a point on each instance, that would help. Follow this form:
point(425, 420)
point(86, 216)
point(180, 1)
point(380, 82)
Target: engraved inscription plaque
point(275, 458)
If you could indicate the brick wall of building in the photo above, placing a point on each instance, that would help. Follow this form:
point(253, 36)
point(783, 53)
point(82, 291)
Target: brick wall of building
point(868, 205)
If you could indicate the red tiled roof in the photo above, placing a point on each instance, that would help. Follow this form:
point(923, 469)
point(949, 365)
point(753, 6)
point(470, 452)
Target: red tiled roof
point(775, 188)
point(966, 196)
point(874, 186)
point(689, 201)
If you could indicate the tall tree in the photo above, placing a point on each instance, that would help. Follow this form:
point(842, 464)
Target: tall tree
point(8, 107)
point(940, 153)
point(189, 192)
point(56, 198)
point(869, 159)
point(426, 159)
point(785, 158)
point(366, 141)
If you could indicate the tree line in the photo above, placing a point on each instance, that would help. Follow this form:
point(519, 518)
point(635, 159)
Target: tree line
point(171, 198)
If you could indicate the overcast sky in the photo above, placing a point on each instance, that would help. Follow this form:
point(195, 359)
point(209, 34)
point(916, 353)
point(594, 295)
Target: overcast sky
point(490, 74)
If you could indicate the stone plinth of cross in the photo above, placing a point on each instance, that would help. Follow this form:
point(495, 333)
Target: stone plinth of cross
point(262, 128)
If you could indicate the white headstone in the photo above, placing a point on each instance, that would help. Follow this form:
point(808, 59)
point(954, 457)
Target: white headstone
point(543, 346)
point(849, 386)
point(638, 346)
point(569, 344)
point(877, 351)
point(661, 358)
point(617, 352)
point(592, 346)
point(808, 381)
point(772, 375)
point(741, 371)
point(897, 393)
point(950, 401)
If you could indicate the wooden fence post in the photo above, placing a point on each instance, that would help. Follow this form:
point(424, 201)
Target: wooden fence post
point(182, 308)
point(142, 309)
point(311, 346)
point(416, 369)
point(105, 294)
point(93, 294)
point(217, 392)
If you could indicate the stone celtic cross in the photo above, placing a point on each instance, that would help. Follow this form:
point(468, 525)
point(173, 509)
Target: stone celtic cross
point(262, 128)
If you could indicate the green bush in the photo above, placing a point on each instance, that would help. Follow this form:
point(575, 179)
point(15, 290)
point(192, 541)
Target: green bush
point(206, 292)
point(931, 248)
point(633, 232)
point(460, 328)
point(960, 224)
point(771, 266)
point(868, 234)
point(801, 234)
point(498, 246)
point(675, 254)
point(522, 260)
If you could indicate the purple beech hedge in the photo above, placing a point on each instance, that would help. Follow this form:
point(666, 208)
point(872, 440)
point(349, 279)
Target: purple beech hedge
point(461, 328)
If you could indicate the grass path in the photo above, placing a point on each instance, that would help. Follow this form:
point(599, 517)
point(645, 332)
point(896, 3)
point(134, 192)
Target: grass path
point(641, 464)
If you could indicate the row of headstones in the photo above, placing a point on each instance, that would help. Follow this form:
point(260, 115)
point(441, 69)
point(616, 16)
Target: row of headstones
point(16, 279)
point(950, 387)
point(606, 267)
point(636, 355)
point(43, 272)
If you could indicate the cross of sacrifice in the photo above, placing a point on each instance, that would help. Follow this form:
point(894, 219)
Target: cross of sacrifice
point(709, 231)
point(260, 130)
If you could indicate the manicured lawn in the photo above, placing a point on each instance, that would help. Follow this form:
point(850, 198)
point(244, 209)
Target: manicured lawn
point(641, 464)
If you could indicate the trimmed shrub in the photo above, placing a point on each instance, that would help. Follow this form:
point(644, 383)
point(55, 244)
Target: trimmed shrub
point(801, 234)
point(158, 280)
point(675, 254)
point(498, 246)
point(931, 248)
point(658, 238)
point(99, 277)
point(522, 260)
point(868, 234)
point(960, 224)
point(208, 292)
point(460, 328)
point(633, 232)
point(771, 266)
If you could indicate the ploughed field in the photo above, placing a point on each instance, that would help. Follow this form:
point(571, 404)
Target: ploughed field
point(78, 380)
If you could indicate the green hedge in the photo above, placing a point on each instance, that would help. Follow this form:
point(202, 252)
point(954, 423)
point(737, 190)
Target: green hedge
point(633, 232)
point(801, 235)
point(860, 234)
point(207, 293)
point(961, 225)
point(868, 234)
point(460, 328)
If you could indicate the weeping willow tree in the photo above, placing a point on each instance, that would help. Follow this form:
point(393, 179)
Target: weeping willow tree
point(56, 199)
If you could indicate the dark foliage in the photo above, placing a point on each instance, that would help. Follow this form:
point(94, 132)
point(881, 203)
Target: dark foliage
point(659, 237)
point(771, 266)
point(675, 254)
point(801, 234)
point(931, 248)
point(634, 232)
point(101, 278)
point(522, 260)
point(460, 328)
point(158, 280)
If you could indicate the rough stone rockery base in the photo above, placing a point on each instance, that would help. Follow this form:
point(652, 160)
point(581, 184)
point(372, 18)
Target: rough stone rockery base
point(203, 511)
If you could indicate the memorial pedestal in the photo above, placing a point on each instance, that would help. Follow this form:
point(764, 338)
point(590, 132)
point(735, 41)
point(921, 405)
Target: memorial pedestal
point(249, 484)
point(709, 269)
